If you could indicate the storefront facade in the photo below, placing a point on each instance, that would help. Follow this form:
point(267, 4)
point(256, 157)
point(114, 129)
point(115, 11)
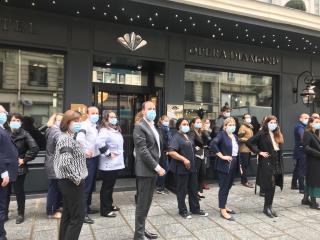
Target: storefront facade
point(50, 61)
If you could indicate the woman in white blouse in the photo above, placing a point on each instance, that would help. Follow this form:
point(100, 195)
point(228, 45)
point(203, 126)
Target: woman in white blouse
point(110, 142)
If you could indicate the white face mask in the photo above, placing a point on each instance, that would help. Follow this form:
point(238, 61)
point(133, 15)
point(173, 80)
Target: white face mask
point(247, 120)
point(227, 114)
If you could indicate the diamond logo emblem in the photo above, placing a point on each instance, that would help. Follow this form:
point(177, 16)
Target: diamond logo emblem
point(132, 41)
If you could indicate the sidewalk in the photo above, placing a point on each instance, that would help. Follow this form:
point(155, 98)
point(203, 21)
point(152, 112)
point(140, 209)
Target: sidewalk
point(294, 222)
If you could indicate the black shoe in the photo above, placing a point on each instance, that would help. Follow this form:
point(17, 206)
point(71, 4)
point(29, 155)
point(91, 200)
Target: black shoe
point(88, 220)
point(108, 214)
point(315, 206)
point(20, 219)
point(201, 213)
point(150, 235)
point(301, 191)
point(229, 219)
point(268, 212)
point(273, 212)
point(294, 187)
point(231, 212)
point(186, 215)
point(115, 209)
point(306, 202)
point(261, 194)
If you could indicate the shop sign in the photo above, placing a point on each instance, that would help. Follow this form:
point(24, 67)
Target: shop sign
point(233, 55)
point(174, 111)
point(15, 25)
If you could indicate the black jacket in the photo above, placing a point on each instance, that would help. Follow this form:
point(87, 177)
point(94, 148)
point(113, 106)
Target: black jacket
point(261, 142)
point(26, 146)
point(8, 155)
point(311, 144)
point(198, 142)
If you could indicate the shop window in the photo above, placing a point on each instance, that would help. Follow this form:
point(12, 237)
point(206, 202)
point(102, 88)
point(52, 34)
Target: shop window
point(189, 91)
point(120, 76)
point(32, 84)
point(247, 93)
point(206, 92)
point(38, 74)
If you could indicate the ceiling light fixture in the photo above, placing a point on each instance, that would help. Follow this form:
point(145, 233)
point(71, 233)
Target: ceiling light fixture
point(108, 63)
point(139, 66)
point(209, 21)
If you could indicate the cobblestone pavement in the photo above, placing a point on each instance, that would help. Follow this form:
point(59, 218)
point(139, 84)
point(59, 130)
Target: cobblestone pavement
point(294, 222)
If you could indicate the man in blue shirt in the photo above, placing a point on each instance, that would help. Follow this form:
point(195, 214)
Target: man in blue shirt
point(8, 168)
point(300, 166)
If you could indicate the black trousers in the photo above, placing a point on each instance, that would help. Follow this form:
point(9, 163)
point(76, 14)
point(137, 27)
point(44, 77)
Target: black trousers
point(225, 184)
point(3, 209)
point(18, 187)
point(269, 195)
point(72, 214)
point(201, 171)
point(145, 189)
point(108, 181)
point(244, 161)
point(187, 184)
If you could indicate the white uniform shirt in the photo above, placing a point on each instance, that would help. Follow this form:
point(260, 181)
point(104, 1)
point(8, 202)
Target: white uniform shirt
point(113, 158)
point(88, 140)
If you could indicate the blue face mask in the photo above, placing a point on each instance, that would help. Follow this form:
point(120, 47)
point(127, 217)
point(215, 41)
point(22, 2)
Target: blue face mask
point(305, 122)
point(94, 118)
point(15, 125)
point(166, 124)
point(76, 127)
point(198, 125)
point(185, 129)
point(316, 126)
point(3, 118)
point(231, 129)
point(151, 115)
point(272, 126)
point(113, 121)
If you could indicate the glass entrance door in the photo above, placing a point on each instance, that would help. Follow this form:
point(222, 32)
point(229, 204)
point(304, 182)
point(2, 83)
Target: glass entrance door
point(126, 105)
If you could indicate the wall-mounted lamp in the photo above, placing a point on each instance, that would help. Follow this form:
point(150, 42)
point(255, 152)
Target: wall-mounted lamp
point(308, 94)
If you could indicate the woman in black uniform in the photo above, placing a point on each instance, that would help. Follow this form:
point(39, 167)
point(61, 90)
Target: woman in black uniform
point(267, 144)
point(184, 168)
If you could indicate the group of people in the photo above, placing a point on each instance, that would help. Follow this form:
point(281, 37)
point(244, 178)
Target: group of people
point(77, 149)
point(307, 154)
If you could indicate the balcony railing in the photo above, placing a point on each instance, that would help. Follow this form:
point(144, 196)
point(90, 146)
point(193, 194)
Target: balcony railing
point(309, 6)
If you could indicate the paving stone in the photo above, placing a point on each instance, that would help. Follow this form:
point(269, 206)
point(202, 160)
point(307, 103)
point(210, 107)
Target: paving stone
point(304, 233)
point(213, 234)
point(265, 230)
point(173, 231)
point(294, 222)
point(46, 235)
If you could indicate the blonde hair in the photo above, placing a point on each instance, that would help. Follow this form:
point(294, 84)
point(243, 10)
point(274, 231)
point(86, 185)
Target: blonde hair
point(53, 119)
point(227, 121)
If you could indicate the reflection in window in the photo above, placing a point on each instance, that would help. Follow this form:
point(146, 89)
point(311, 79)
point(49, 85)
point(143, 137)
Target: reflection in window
point(211, 90)
point(31, 83)
point(38, 74)
point(119, 76)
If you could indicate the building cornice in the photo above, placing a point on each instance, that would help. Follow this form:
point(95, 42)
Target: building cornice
point(259, 10)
